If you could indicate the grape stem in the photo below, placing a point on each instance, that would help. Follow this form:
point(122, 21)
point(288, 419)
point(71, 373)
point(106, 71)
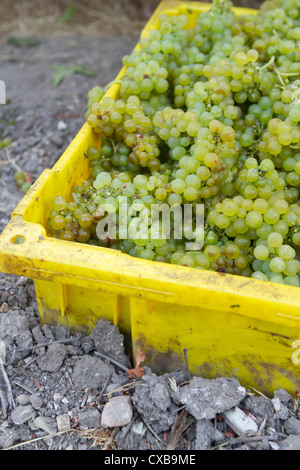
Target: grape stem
point(271, 62)
point(114, 82)
point(113, 145)
point(280, 75)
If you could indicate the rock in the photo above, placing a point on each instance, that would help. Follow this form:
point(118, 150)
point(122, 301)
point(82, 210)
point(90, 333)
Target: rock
point(138, 427)
point(239, 422)
point(292, 442)
point(218, 436)
point(9, 437)
point(46, 424)
point(90, 372)
point(14, 332)
point(63, 422)
point(204, 398)
point(4, 307)
point(160, 396)
point(57, 398)
point(61, 126)
point(89, 419)
point(259, 406)
point(117, 412)
point(281, 411)
point(114, 389)
point(145, 399)
point(292, 426)
point(23, 399)
point(53, 358)
point(107, 340)
point(205, 432)
point(283, 395)
point(21, 414)
point(274, 445)
point(36, 401)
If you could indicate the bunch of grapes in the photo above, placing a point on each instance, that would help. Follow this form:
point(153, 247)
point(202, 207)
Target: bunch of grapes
point(205, 115)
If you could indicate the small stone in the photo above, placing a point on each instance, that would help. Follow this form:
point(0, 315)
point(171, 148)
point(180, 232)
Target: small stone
point(36, 401)
point(292, 442)
point(113, 389)
point(90, 372)
point(53, 358)
point(4, 307)
point(63, 422)
point(22, 414)
point(160, 396)
point(88, 419)
point(57, 398)
point(205, 432)
point(239, 422)
point(204, 398)
point(259, 406)
point(281, 411)
point(276, 403)
point(138, 427)
point(274, 445)
point(61, 125)
point(46, 424)
point(23, 399)
point(9, 437)
point(283, 395)
point(218, 436)
point(292, 426)
point(117, 412)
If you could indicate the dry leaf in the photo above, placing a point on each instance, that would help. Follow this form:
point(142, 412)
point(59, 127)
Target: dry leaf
point(138, 371)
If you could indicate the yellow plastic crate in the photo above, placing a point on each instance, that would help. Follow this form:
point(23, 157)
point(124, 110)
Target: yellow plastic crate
point(230, 325)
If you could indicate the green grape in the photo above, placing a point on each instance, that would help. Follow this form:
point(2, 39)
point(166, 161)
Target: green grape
point(277, 265)
point(261, 252)
point(275, 240)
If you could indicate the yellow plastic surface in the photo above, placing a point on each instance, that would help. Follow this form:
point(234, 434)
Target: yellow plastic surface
point(230, 325)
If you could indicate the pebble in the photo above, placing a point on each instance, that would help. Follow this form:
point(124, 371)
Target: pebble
point(281, 411)
point(114, 389)
point(117, 412)
point(23, 399)
point(239, 422)
point(63, 422)
point(36, 401)
point(204, 398)
point(292, 426)
point(22, 414)
point(4, 307)
point(283, 395)
point(46, 424)
point(57, 398)
point(205, 432)
point(138, 427)
point(292, 442)
point(61, 125)
point(89, 418)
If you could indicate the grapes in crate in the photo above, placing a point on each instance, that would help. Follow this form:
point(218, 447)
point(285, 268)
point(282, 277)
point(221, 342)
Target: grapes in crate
point(204, 116)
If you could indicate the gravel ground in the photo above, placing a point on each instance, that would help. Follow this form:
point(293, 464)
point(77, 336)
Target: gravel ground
point(50, 396)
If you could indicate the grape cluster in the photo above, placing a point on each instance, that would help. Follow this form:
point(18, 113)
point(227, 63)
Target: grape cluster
point(204, 115)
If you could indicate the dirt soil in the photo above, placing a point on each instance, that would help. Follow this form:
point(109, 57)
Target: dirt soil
point(77, 392)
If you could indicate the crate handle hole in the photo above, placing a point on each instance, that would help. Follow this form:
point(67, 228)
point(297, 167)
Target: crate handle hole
point(18, 239)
